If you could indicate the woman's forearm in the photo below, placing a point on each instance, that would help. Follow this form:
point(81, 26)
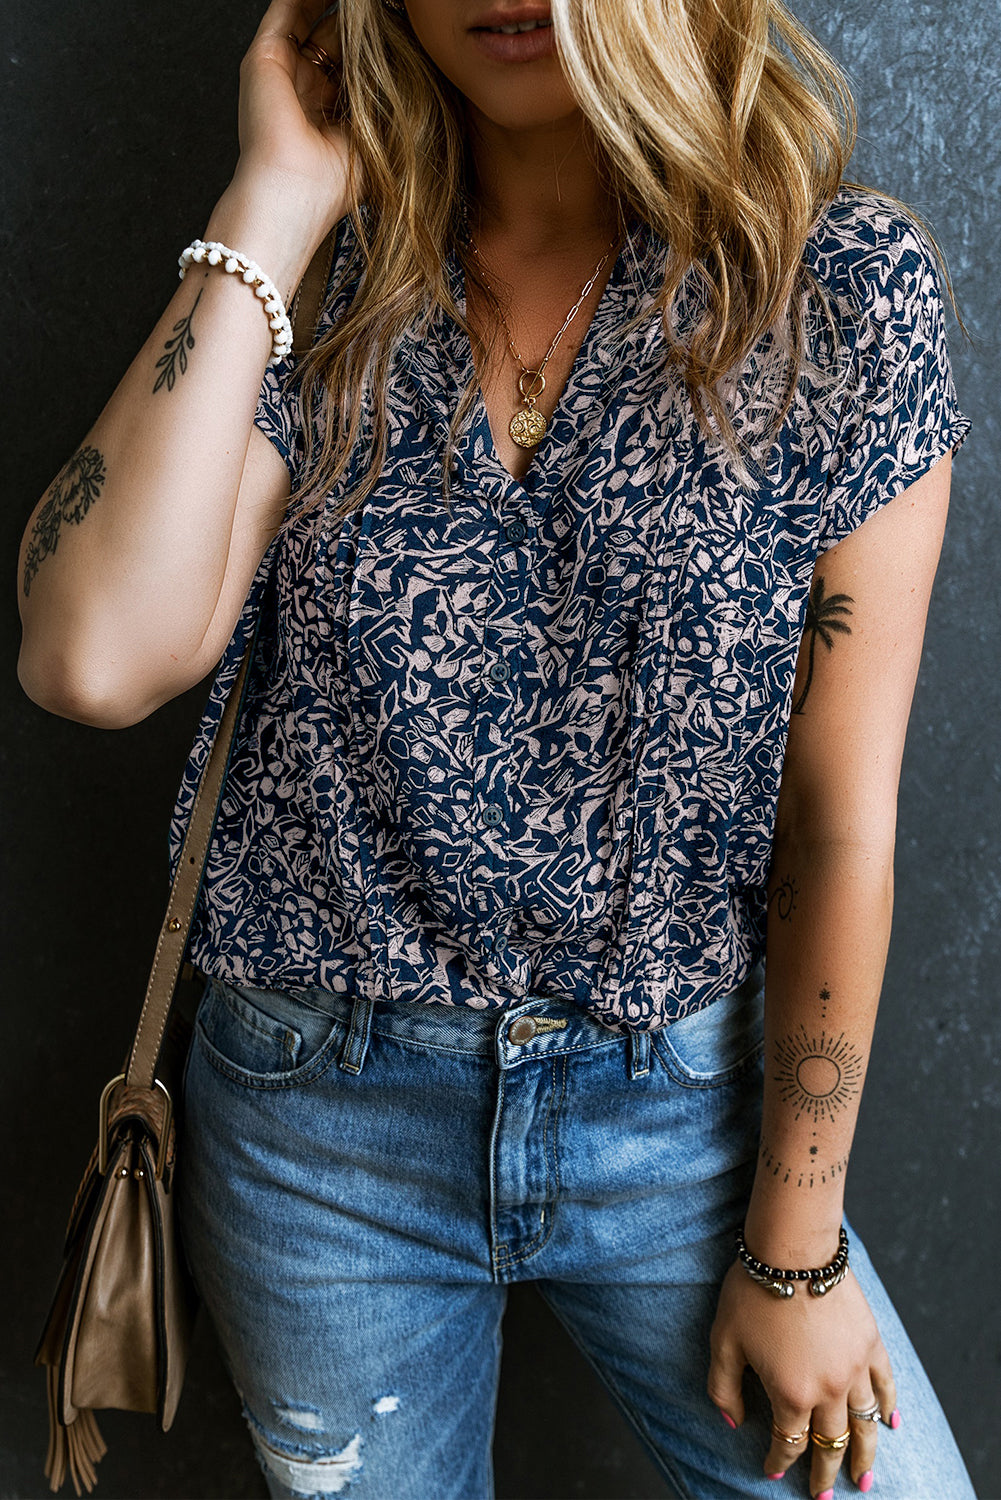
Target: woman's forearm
point(829, 915)
point(124, 558)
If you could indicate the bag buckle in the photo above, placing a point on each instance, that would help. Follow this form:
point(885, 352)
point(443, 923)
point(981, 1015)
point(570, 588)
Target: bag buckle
point(102, 1138)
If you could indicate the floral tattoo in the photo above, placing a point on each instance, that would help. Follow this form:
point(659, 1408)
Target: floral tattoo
point(70, 497)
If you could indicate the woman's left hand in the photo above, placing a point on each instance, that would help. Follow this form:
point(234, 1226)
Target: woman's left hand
point(815, 1357)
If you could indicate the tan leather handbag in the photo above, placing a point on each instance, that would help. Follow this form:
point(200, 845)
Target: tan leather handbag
point(119, 1327)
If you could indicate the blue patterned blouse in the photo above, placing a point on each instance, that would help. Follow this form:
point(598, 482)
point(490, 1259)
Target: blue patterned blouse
point(534, 744)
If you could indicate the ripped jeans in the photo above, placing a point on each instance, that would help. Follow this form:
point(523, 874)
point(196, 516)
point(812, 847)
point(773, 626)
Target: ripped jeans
point(360, 1182)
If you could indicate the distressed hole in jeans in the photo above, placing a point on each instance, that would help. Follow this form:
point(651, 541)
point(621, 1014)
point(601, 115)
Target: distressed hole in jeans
point(385, 1404)
point(303, 1418)
point(310, 1477)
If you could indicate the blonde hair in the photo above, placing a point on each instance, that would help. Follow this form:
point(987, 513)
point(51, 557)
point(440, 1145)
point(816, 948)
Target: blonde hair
point(720, 123)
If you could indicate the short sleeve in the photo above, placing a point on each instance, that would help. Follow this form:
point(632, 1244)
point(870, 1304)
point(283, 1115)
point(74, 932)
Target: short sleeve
point(279, 414)
point(279, 406)
point(901, 413)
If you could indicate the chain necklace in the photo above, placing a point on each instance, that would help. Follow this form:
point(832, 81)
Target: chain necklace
point(528, 426)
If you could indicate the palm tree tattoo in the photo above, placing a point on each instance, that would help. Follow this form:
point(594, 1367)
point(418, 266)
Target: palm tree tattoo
point(823, 620)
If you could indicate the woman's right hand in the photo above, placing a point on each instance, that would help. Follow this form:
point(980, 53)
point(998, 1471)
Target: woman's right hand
point(288, 150)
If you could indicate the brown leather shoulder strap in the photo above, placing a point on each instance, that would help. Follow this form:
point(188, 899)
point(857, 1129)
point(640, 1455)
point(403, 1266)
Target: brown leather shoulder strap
point(310, 297)
point(174, 932)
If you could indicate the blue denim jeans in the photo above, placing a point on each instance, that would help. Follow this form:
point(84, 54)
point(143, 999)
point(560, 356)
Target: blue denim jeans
point(361, 1182)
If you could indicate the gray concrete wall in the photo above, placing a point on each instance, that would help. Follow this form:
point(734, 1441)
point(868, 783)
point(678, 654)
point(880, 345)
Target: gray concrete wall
point(119, 131)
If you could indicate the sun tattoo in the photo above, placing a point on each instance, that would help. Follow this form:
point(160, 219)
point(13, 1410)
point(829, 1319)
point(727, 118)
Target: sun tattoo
point(784, 897)
point(819, 1077)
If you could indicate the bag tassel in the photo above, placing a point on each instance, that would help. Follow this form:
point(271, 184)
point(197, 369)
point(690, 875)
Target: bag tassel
point(78, 1447)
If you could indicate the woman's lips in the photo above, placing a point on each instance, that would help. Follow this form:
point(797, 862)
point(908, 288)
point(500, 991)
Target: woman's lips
point(522, 47)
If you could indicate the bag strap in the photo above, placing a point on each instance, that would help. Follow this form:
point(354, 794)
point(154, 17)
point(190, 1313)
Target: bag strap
point(173, 940)
point(311, 295)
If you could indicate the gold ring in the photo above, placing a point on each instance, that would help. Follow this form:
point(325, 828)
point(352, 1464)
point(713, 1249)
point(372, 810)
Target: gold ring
point(314, 53)
point(790, 1437)
point(871, 1414)
point(831, 1445)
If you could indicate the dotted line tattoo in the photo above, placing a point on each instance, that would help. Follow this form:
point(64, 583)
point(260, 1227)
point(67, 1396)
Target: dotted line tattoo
point(824, 621)
point(175, 356)
point(71, 495)
point(815, 1175)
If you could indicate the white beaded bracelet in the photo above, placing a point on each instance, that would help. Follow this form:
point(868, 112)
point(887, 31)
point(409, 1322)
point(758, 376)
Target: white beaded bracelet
point(210, 252)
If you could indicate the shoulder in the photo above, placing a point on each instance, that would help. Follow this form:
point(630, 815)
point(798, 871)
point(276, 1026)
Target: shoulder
point(870, 254)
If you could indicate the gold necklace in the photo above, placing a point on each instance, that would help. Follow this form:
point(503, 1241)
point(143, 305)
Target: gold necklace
point(528, 426)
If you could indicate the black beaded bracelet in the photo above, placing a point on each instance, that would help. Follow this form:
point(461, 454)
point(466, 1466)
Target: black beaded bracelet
point(820, 1280)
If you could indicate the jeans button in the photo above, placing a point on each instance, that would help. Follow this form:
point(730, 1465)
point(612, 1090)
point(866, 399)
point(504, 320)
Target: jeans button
point(521, 1030)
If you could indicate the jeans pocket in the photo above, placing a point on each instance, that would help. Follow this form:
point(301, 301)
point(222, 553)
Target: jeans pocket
point(265, 1038)
point(718, 1043)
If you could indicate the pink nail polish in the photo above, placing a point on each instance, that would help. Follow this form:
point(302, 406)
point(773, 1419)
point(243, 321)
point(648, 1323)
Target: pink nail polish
point(827, 1495)
point(774, 1476)
point(865, 1483)
point(728, 1420)
point(895, 1419)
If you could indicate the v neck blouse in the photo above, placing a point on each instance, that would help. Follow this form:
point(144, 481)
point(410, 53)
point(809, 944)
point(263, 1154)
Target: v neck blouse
point(532, 743)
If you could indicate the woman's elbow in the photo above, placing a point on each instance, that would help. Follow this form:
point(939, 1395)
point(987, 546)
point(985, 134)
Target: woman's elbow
point(80, 692)
point(859, 829)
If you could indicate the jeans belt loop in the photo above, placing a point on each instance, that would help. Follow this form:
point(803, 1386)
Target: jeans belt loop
point(639, 1054)
point(356, 1042)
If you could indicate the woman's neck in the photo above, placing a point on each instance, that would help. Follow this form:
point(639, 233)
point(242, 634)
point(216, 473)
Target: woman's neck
point(539, 188)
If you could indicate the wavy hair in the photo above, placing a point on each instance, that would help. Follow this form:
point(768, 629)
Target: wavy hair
point(722, 124)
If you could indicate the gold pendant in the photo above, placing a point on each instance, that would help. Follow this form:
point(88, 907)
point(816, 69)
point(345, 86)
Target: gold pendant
point(528, 427)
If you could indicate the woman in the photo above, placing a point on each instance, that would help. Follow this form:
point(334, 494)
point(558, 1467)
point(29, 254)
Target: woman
point(618, 473)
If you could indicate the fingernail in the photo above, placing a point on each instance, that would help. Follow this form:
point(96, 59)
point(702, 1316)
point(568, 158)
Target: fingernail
point(774, 1476)
point(865, 1483)
point(728, 1420)
point(827, 1495)
point(895, 1419)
